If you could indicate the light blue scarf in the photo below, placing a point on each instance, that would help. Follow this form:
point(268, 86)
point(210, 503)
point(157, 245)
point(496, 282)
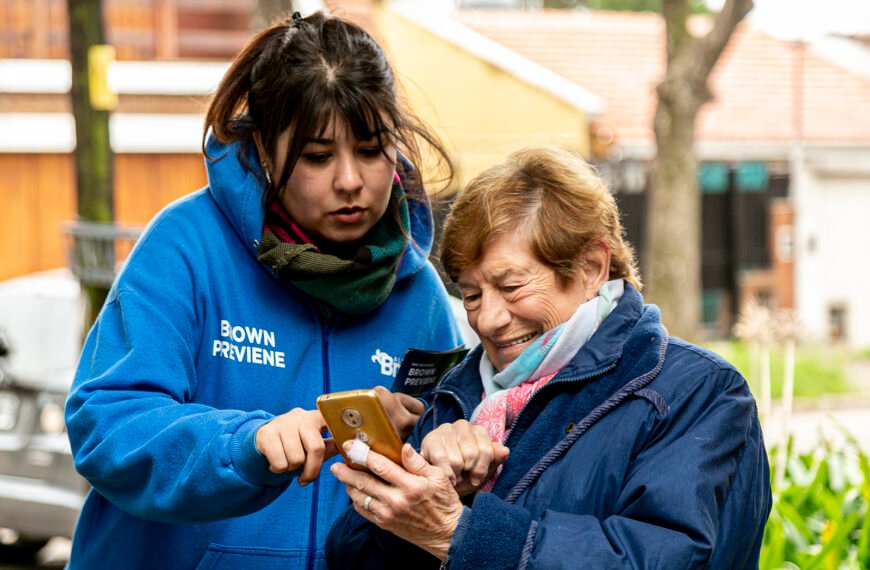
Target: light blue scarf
point(554, 349)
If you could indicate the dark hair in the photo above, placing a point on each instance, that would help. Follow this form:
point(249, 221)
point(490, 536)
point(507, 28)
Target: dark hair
point(303, 72)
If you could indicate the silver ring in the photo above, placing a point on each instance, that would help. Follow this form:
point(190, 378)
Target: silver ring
point(367, 502)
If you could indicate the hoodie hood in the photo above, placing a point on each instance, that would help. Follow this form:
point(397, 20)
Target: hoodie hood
point(238, 192)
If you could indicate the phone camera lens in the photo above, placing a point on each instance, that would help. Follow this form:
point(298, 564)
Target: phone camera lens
point(351, 417)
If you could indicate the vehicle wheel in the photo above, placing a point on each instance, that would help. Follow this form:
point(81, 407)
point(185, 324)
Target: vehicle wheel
point(21, 551)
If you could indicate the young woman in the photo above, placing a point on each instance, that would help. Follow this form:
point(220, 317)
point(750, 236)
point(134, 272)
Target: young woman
point(300, 269)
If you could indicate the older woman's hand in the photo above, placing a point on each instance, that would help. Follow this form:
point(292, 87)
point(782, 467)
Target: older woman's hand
point(466, 452)
point(404, 410)
point(417, 503)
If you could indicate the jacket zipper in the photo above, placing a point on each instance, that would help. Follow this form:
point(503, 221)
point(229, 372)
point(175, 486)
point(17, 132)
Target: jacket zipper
point(583, 378)
point(315, 491)
point(456, 398)
point(643, 379)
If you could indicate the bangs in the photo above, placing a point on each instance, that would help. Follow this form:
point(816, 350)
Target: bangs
point(364, 118)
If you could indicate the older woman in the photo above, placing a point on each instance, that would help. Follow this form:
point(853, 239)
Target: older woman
point(579, 434)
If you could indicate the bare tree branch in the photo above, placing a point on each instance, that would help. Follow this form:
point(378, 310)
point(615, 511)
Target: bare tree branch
point(711, 45)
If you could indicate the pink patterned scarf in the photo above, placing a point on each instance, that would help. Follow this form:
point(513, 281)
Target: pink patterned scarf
point(507, 392)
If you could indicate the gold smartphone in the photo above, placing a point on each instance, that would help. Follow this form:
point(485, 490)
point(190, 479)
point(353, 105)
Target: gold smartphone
point(359, 414)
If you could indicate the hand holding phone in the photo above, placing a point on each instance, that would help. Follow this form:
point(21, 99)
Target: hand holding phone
point(359, 414)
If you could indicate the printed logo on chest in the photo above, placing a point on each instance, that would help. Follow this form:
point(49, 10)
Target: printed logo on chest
point(247, 344)
point(389, 364)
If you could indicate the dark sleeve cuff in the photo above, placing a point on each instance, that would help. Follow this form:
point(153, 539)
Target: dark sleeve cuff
point(458, 535)
point(500, 531)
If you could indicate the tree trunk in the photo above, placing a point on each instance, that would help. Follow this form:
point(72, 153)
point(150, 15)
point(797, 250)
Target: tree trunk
point(93, 154)
point(673, 241)
point(673, 258)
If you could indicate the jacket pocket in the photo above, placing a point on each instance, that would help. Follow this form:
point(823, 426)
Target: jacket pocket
point(220, 557)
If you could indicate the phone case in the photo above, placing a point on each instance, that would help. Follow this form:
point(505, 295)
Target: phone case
point(359, 414)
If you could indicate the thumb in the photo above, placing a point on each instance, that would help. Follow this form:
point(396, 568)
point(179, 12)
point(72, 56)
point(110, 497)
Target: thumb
point(415, 464)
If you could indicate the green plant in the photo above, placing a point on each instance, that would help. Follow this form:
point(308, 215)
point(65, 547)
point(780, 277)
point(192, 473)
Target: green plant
point(818, 369)
point(820, 513)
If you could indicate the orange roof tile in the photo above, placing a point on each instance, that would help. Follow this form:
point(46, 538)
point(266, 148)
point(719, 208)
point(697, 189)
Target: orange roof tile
point(756, 84)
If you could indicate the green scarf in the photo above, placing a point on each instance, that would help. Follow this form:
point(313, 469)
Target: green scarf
point(354, 282)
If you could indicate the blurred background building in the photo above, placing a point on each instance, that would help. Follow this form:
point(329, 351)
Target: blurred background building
point(784, 147)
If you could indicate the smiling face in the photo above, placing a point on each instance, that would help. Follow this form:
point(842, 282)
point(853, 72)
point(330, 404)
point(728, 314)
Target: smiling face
point(340, 186)
point(512, 298)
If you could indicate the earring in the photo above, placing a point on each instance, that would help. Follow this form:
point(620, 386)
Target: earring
point(265, 166)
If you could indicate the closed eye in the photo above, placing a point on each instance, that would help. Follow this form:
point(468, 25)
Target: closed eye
point(316, 157)
point(371, 151)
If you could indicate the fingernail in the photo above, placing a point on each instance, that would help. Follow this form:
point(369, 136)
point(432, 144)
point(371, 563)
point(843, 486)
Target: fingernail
point(302, 483)
point(333, 468)
point(475, 482)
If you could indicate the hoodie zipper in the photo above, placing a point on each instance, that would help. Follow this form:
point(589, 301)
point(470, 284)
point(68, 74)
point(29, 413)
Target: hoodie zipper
point(325, 329)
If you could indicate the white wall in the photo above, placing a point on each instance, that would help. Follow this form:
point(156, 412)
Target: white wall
point(831, 189)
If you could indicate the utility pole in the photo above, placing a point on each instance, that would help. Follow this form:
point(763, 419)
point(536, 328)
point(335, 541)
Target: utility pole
point(91, 102)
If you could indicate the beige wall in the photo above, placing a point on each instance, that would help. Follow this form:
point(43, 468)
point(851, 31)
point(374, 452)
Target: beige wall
point(482, 112)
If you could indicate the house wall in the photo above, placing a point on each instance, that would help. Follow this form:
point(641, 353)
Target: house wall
point(139, 30)
point(482, 112)
point(832, 202)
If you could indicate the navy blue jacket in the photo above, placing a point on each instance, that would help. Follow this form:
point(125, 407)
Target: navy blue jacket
point(643, 452)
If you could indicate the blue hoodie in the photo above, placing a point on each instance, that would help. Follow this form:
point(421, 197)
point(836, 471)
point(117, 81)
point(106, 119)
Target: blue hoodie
point(197, 346)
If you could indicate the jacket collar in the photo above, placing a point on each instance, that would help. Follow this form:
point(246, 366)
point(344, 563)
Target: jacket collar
point(621, 342)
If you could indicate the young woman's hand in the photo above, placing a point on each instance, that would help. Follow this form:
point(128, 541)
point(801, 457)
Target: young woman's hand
point(404, 410)
point(294, 440)
point(465, 452)
point(415, 500)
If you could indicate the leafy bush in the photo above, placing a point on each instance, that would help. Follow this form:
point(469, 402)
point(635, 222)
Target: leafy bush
point(820, 514)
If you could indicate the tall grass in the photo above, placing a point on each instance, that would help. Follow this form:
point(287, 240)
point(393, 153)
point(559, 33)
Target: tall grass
point(818, 370)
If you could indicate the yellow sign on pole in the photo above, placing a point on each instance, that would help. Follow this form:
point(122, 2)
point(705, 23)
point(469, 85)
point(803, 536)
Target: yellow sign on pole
point(99, 59)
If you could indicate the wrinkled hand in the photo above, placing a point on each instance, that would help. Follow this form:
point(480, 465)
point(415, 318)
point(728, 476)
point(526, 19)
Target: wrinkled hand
point(294, 439)
point(465, 452)
point(404, 410)
point(417, 503)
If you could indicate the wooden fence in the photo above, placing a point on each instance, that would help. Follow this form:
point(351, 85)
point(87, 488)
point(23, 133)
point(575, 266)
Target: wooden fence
point(38, 198)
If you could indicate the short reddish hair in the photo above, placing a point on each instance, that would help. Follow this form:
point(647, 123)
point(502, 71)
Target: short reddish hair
point(557, 200)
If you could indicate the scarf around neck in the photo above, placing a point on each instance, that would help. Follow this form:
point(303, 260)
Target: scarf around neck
point(353, 280)
point(508, 391)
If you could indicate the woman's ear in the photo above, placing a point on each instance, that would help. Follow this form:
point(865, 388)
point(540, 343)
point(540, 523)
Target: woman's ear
point(596, 268)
